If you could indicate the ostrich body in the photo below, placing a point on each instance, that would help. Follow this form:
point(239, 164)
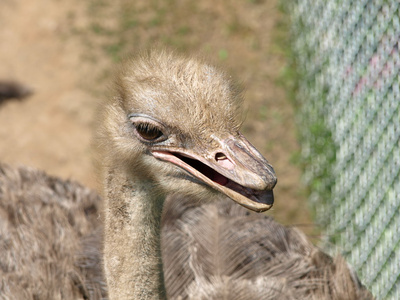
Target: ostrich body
point(169, 140)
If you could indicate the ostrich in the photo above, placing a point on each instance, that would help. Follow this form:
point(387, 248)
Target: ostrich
point(172, 156)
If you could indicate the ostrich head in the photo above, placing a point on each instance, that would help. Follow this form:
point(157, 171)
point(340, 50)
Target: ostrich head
point(175, 122)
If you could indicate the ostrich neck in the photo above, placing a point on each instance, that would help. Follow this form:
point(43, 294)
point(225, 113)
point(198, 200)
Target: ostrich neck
point(132, 244)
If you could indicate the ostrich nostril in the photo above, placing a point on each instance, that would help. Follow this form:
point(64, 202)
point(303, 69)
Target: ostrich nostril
point(224, 161)
point(220, 156)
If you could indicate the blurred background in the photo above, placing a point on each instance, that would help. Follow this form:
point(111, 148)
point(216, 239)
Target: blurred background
point(322, 100)
point(347, 62)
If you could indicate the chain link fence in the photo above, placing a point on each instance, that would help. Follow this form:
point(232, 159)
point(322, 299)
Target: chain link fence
point(347, 56)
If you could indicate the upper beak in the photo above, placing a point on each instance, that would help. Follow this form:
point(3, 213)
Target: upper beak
point(236, 169)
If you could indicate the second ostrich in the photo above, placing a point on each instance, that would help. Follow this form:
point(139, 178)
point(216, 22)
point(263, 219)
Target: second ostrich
point(170, 143)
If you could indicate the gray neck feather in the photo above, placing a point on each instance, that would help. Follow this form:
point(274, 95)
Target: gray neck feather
point(132, 245)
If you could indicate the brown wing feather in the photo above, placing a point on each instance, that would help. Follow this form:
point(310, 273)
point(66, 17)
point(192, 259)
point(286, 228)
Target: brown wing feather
point(42, 221)
point(226, 252)
point(51, 241)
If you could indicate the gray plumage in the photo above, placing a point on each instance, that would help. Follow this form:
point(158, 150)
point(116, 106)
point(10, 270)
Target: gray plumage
point(51, 241)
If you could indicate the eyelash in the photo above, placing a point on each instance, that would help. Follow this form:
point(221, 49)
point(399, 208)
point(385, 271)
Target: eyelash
point(148, 131)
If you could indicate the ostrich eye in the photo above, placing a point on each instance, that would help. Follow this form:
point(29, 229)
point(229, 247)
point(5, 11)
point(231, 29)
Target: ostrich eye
point(148, 131)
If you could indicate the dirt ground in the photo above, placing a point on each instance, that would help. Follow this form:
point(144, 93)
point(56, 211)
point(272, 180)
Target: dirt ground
point(65, 51)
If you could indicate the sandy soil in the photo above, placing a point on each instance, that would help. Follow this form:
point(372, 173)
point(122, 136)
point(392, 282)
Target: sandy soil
point(56, 47)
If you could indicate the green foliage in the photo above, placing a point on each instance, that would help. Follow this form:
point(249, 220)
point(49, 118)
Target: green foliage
point(318, 148)
point(223, 54)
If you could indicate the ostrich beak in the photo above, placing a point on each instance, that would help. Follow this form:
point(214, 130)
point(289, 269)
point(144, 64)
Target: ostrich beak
point(235, 169)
